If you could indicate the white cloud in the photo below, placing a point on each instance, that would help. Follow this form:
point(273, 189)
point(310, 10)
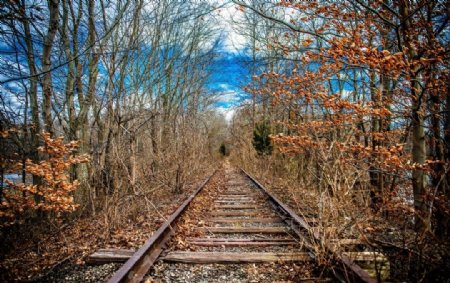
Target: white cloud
point(229, 97)
point(229, 94)
point(225, 87)
point(228, 113)
point(233, 41)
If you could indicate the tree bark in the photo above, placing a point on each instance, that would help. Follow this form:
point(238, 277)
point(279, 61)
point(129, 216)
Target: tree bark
point(417, 126)
point(36, 127)
point(47, 88)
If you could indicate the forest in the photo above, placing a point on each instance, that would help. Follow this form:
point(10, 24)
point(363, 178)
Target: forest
point(113, 111)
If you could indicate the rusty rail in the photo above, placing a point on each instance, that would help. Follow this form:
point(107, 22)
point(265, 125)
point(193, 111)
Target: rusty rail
point(138, 265)
point(348, 271)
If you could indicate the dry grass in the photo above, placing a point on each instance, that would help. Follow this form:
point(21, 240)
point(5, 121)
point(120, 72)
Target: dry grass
point(125, 224)
point(337, 196)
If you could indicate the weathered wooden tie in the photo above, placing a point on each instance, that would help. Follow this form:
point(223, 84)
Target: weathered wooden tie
point(109, 255)
point(263, 239)
point(235, 213)
point(236, 201)
point(239, 206)
point(241, 244)
point(275, 220)
point(234, 257)
point(227, 230)
point(240, 198)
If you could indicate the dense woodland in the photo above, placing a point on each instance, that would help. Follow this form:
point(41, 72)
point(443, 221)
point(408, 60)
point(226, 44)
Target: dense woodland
point(105, 105)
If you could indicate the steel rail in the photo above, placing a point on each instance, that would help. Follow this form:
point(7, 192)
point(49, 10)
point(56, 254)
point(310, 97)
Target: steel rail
point(348, 266)
point(140, 262)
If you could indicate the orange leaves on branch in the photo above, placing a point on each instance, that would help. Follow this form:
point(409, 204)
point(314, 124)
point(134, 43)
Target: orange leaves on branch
point(375, 80)
point(240, 8)
point(53, 192)
point(5, 133)
point(307, 42)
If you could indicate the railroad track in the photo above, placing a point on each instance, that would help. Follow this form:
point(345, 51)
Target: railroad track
point(240, 222)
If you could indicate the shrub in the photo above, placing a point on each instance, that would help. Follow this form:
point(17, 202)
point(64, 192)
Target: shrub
point(53, 191)
point(261, 139)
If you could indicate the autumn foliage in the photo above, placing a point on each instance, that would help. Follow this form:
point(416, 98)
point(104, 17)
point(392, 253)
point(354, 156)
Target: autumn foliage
point(357, 95)
point(369, 88)
point(53, 191)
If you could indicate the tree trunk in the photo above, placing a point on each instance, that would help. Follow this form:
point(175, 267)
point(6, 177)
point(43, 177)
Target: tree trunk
point(442, 216)
point(376, 179)
point(418, 158)
point(417, 125)
point(36, 128)
point(133, 147)
point(47, 90)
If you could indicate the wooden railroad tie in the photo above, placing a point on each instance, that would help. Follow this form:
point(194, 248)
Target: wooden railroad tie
point(237, 198)
point(274, 220)
point(234, 257)
point(263, 239)
point(241, 244)
point(103, 256)
point(235, 213)
point(227, 230)
point(109, 255)
point(239, 206)
point(236, 201)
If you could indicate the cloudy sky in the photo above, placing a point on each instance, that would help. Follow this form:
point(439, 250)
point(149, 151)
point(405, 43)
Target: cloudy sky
point(229, 71)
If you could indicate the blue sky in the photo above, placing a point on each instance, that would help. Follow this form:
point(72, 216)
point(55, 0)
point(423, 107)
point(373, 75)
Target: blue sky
point(228, 76)
point(229, 73)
